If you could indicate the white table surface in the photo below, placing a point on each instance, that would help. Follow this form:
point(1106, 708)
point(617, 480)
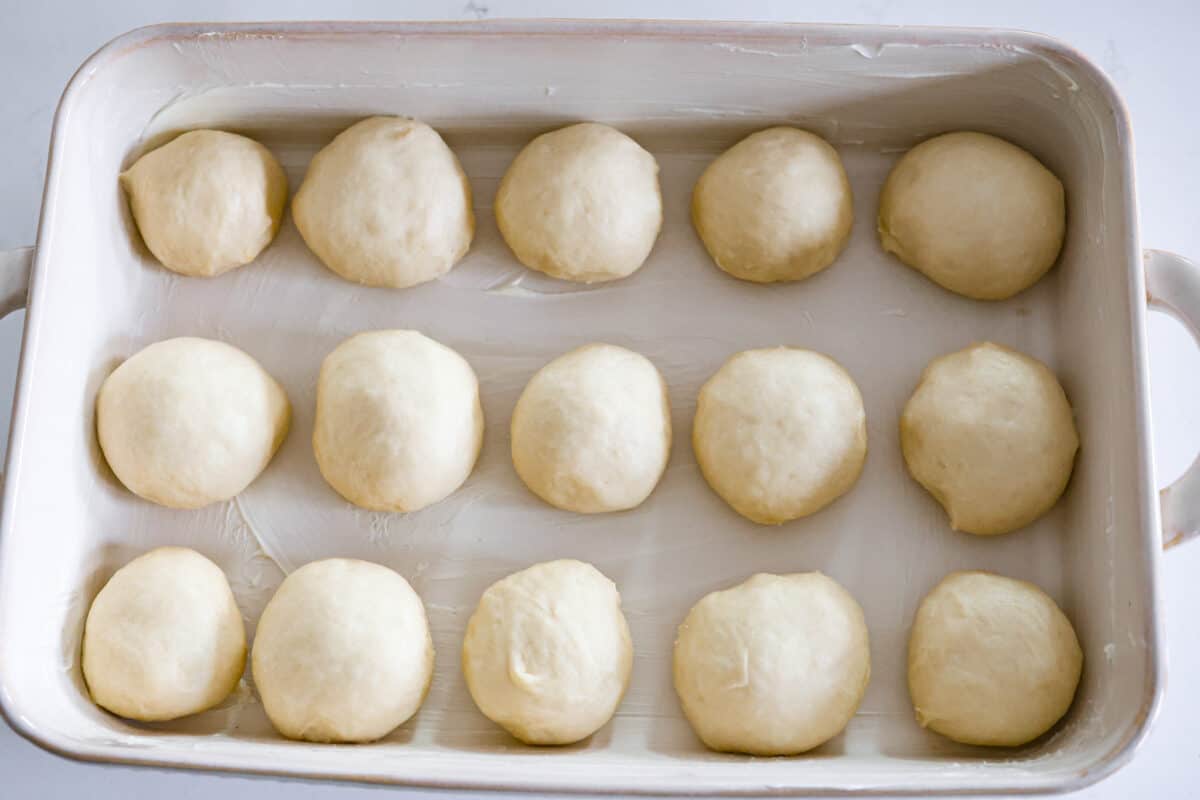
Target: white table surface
point(1147, 46)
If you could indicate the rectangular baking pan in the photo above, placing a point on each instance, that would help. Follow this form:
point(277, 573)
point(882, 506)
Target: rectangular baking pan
point(686, 91)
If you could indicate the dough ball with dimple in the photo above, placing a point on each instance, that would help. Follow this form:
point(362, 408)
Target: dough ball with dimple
point(780, 433)
point(386, 203)
point(991, 660)
point(974, 213)
point(774, 666)
point(399, 424)
point(342, 652)
point(187, 422)
point(990, 434)
point(547, 653)
point(581, 203)
point(207, 201)
point(591, 432)
point(163, 638)
point(774, 207)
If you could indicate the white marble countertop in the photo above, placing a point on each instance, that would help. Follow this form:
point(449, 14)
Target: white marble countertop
point(1147, 47)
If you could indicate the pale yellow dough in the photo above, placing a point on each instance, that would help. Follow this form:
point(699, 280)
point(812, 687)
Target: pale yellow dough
point(974, 213)
point(581, 203)
point(990, 434)
point(774, 666)
point(991, 660)
point(163, 638)
point(187, 422)
point(207, 201)
point(547, 653)
point(399, 423)
point(386, 203)
point(780, 433)
point(774, 207)
point(591, 432)
point(342, 652)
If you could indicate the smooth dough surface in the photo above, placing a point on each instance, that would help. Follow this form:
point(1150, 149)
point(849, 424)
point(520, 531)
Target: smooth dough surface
point(547, 654)
point(974, 213)
point(780, 433)
point(591, 432)
point(163, 638)
point(342, 652)
point(774, 207)
point(386, 203)
point(581, 203)
point(774, 666)
point(187, 422)
point(990, 434)
point(207, 201)
point(399, 424)
point(991, 660)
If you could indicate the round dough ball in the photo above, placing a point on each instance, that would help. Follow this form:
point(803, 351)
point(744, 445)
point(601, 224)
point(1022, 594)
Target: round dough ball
point(990, 434)
point(774, 666)
point(207, 201)
point(581, 203)
point(975, 214)
point(342, 652)
point(774, 207)
point(780, 433)
point(991, 660)
point(163, 638)
point(187, 422)
point(592, 430)
point(386, 203)
point(399, 424)
point(547, 653)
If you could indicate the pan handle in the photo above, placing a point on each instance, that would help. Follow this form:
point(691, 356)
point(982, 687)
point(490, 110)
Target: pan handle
point(1173, 285)
point(14, 278)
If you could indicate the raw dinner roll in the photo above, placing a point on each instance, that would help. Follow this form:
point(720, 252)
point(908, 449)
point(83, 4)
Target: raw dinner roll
point(187, 422)
point(592, 430)
point(774, 666)
point(990, 434)
point(386, 204)
point(547, 653)
point(991, 660)
point(780, 433)
point(581, 203)
point(207, 201)
point(399, 424)
point(342, 652)
point(774, 207)
point(975, 214)
point(163, 638)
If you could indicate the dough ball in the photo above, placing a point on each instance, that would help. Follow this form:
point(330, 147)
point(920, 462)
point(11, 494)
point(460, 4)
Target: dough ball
point(342, 652)
point(592, 430)
point(399, 424)
point(774, 207)
point(547, 653)
point(780, 433)
point(975, 214)
point(207, 201)
point(163, 638)
point(187, 422)
point(581, 203)
point(774, 666)
point(990, 434)
point(991, 660)
point(386, 203)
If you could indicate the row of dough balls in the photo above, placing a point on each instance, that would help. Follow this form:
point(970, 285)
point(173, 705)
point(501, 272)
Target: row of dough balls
point(778, 433)
point(774, 666)
point(386, 203)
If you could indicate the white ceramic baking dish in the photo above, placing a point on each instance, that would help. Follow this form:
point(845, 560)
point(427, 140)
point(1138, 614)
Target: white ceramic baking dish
point(686, 91)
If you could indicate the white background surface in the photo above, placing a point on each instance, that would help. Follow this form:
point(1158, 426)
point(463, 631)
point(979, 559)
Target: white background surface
point(1147, 47)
